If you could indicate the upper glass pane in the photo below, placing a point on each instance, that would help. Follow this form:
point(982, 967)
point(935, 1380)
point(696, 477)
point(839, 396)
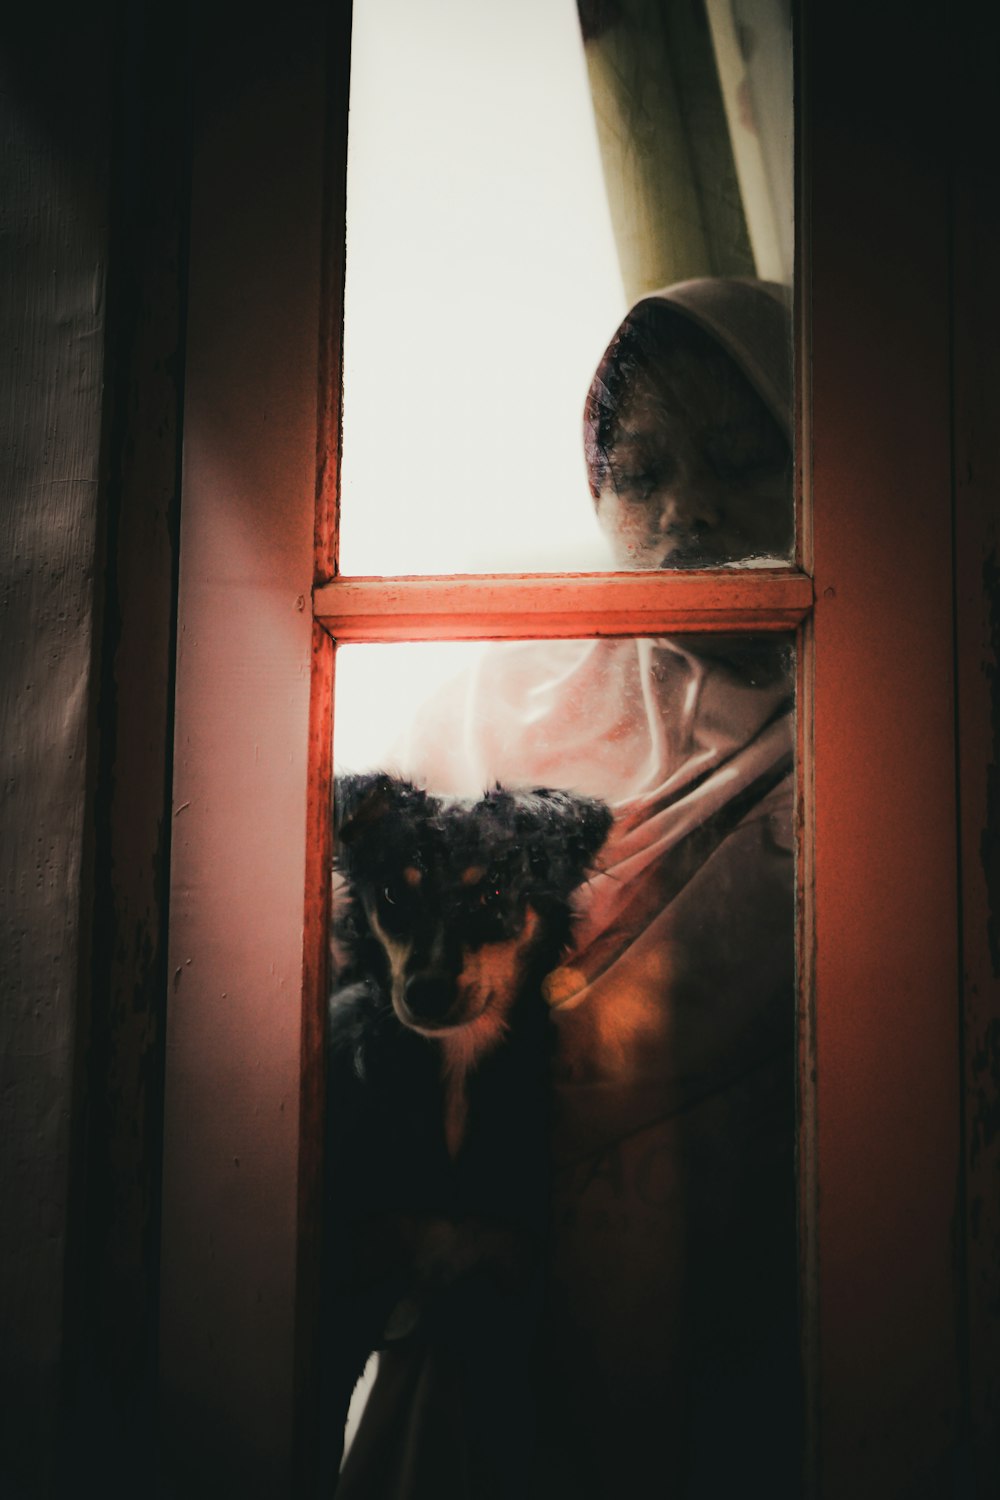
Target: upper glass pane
point(567, 315)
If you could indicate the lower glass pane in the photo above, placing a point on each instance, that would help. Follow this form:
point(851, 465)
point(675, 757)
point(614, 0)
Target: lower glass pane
point(655, 1334)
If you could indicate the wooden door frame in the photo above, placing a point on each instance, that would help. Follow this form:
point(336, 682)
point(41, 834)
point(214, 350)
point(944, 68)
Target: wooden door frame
point(881, 1095)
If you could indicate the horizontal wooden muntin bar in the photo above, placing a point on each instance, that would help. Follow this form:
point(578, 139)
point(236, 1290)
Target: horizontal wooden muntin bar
point(525, 606)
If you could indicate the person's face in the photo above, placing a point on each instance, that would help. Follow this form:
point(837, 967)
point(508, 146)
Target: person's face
point(699, 471)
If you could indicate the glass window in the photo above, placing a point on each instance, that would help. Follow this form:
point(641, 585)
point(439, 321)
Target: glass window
point(670, 1271)
point(519, 176)
point(568, 350)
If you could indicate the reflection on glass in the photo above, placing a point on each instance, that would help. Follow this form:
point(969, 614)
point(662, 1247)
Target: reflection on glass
point(666, 1343)
point(518, 176)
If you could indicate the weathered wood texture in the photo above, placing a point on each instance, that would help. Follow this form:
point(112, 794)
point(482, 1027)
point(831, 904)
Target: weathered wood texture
point(54, 147)
point(886, 1038)
point(241, 752)
point(307, 1415)
point(94, 164)
point(518, 606)
point(113, 1391)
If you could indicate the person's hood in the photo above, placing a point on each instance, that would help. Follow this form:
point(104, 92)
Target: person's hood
point(751, 320)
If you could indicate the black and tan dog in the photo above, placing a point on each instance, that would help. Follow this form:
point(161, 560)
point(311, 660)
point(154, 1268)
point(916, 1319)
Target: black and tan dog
point(437, 1082)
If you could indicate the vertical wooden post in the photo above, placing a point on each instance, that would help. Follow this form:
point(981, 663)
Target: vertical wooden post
point(884, 776)
point(244, 677)
point(55, 145)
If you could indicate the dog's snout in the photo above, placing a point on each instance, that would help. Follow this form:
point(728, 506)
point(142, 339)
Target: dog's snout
point(429, 998)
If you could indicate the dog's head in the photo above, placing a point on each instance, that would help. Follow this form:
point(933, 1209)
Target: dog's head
point(465, 900)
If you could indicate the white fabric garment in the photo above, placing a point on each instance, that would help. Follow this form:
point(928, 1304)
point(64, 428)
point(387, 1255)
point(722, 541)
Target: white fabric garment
point(672, 738)
point(672, 1269)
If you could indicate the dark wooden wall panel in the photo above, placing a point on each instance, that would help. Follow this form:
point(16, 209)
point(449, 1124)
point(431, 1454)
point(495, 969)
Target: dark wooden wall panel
point(114, 1375)
point(54, 165)
point(886, 1020)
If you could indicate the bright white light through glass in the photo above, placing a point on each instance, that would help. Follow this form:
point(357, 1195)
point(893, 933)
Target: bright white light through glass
point(381, 688)
point(482, 288)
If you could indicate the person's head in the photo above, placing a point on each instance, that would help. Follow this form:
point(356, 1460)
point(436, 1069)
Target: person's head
point(686, 428)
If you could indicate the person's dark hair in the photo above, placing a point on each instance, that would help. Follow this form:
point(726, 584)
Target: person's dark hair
point(663, 340)
point(629, 353)
point(669, 350)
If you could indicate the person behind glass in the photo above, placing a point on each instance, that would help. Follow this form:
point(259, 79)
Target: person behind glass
point(687, 428)
point(669, 1361)
point(681, 1223)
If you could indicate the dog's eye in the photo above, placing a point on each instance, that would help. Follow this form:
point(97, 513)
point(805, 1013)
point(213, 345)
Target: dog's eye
point(403, 885)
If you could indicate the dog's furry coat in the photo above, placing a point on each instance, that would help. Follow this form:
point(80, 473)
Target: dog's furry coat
point(437, 1072)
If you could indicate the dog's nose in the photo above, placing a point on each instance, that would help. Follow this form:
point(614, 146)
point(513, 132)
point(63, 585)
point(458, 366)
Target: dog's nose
point(429, 998)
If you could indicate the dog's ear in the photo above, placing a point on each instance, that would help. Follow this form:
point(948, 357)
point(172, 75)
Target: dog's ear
point(584, 822)
point(361, 802)
point(563, 832)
